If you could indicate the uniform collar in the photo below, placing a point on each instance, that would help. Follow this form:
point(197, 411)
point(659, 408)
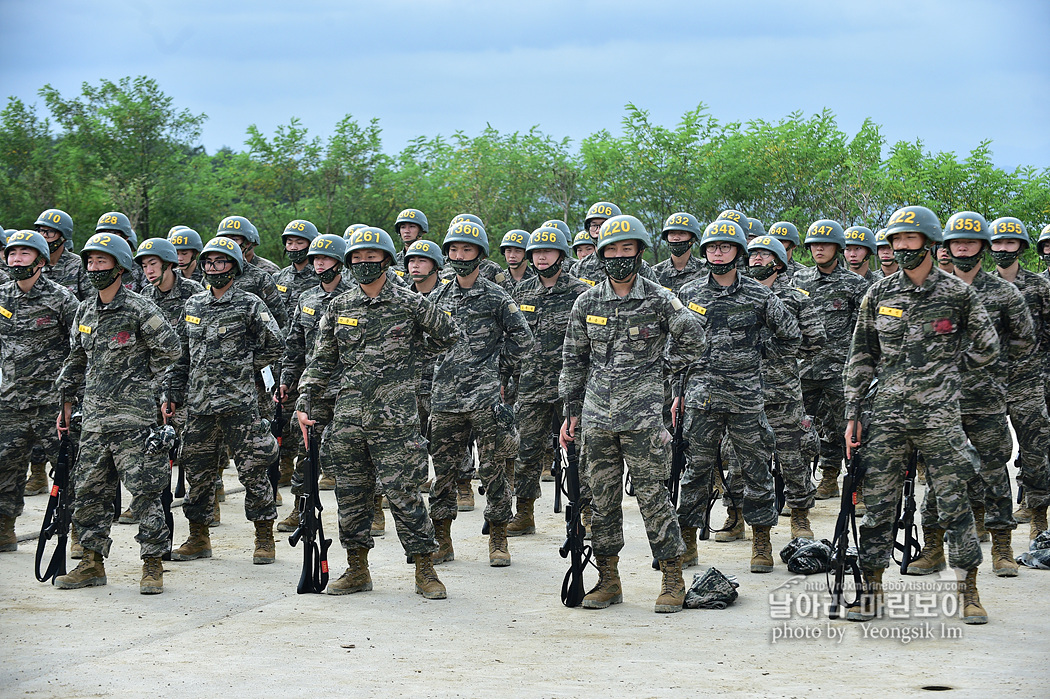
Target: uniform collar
point(606, 292)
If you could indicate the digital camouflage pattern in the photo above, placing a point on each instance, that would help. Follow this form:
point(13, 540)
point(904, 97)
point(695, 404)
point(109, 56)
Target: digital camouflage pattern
point(780, 371)
point(489, 270)
point(265, 265)
point(69, 272)
point(255, 281)
point(666, 275)
point(291, 283)
point(426, 374)
point(173, 304)
point(511, 285)
point(302, 337)
point(793, 268)
point(22, 430)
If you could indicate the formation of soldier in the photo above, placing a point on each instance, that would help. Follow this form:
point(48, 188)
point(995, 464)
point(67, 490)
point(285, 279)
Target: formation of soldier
point(432, 353)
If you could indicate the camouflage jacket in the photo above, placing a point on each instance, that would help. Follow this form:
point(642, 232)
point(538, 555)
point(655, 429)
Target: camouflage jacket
point(69, 272)
point(547, 312)
point(173, 304)
point(118, 351)
point(728, 377)
point(134, 279)
point(837, 297)
point(590, 270)
point(618, 352)
point(265, 265)
point(377, 340)
point(34, 342)
point(793, 268)
point(426, 376)
point(227, 340)
point(508, 283)
point(291, 282)
point(396, 276)
point(1036, 293)
point(672, 279)
point(197, 276)
point(255, 281)
point(493, 337)
point(302, 335)
point(917, 340)
point(780, 377)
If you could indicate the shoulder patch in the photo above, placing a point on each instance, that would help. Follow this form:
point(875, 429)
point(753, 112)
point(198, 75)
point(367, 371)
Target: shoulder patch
point(800, 289)
point(154, 322)
point(5, 313)
point(265, 316)
point(193, 319)
point(676, 304)
point(282, 289)
point(512, 307)
point(500, 278)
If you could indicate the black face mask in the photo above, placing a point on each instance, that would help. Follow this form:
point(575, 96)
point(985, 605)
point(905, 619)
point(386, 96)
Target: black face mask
point(1004, 259)
point(910, 259)
point(53, 245)
point(550, 271)
point(220, 279)
point(328, 276)
point(966, 263)
point(621, 269)
point(680, 248)
point(464, 268)
point(367, 272)
point(761, 272)
point(101, 279)
point(297, 257)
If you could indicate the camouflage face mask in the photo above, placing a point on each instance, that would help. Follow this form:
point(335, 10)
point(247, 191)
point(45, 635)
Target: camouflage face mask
point(366, 272)
point(101, 279)
point(910, 259)
point(328, 276)
point(761, 272)
point(622, 268)
point(53, 245)
point(681, 247)
point(220, 280)
point(1004, 258)
point(297, 257)
point(464, 267)
point(20, 274)
point(966, 263)
point(550, 271)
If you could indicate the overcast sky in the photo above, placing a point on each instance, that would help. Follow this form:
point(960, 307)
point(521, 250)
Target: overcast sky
point(950, 72)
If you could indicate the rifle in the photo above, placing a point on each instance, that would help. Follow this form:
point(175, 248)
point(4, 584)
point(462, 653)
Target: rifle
point(273, 471)
point(173, 452)
point(778, 484)
point(166, 496)
point(314, 577)
point(575, 548)
point(842, 560)
point(57, 516)
point(905, 518)
point(556, 469)
point(628, 485)
point(679, 447)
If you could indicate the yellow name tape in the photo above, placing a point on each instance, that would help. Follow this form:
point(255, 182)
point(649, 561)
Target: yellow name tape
point(597, 320)
point(308, 311)
point(84, 329)
point(5, 313)
point(699, 309)
point(527, 308)
point(887, 311)
point(587, 281)
point(343, 320)
point(280, 288)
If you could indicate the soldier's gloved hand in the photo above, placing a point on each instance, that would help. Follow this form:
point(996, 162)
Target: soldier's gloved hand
point(568, 431)
point(853, 435)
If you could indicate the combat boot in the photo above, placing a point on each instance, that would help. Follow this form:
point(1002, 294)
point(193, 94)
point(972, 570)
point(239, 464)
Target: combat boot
point(289, 523)
point(220, 492)
point(931, 557)
point(608, 590)
point(586, 517)
point(1003, 563)
point(869, 605)
point(443, 534)
point(265, 549)
point(672, 587)
point(216, 518)
point(356, 577)
point(499, 551)
point(800, 526)
point(464, 496)
point(970, 601)
point(829, 485)
point(198, 545)
point(733, 528)
point(287, 469)
point(89, 573)
point(128, 517)
point(427, 583)
point(524, 521)
point(37, 482)
point(76, 551)
point(152, 582)
point(761, 550)
point(691, 557)
point(326, 482)
point(1038, 523)
point(546, 476)
point(378, 518)
point(978, 520)
point(8, 540)
point(1023, 515)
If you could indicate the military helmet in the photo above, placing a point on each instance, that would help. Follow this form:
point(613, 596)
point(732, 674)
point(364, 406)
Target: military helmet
point(186, 239)
point(601, 209)
point(682, 221)
point(619, 228)
point(724, 230)
point(300, 228)
point(28, 239)
point(159, 247)
point(859, 235)
point(914, 219)
point(516, 238)
point(467, 231)
point(560, 225)
point(1010, 228)
point(826, 231)
point(370, 238)
point(111, 245)
point(754, 228)
point(350, 229)
point(785, 230)
point(57, 219)
point(176, 227)
point(428, 249)
point(582, 238)
point(133, 240)
point(1044, 236)
point(238, 225)
point(412, 216)
point(116, 221)
point(470, 218)
point(737, 217)
point(328, 245)
point(549, 238)
point(880, 239)
point(967, 225)
point(226, 247)
point(768, 242)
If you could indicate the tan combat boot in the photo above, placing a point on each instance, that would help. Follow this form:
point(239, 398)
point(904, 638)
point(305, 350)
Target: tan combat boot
point(586, 517)
point(524, 521)
point(128, 517)
point(545, 475)
point(216, 518)
point(220, 492)
point(761, 550)
point(89, 573)
point(828, 487)
point(608, 590)
point(870, 603)
point(499, 551)
point(1038, 524)
point(427, 583)
point(356, 577)
point(1023, 515)
point(1003, 563)
point(37, 482)
point(378, 518)
point(733, 527)
point(326, 482)
point(443, 534)
point(800, 526)
point(152, 582)
point(198, 545)
point(672, 587)
point(691, 557)
point(76, 551)
point(287, 469)
point(289, 523)
point(8, 540)
point(931, 557)
point(265, 548)
point(464, 496)
point(970, 601)
point(978, 520)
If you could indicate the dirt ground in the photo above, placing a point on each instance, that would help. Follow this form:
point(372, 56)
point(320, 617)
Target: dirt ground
point(224, 625)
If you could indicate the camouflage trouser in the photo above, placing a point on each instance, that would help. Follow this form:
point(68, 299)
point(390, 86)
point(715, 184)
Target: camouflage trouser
point(398, 456)
point(537, 448)
point(252, 449)
point(105, 460)
point(949, 467)
point(423, 408)
point(752, 440)
point(20, 431)
point(786, 420)
point(450, 432)
point(1029, 418)
point(990, 485)
point(649, 459)
point(322, 412)
point(826, 402)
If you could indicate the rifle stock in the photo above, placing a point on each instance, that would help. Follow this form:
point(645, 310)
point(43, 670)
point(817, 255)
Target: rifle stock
point(575, 547)
point(314, 575)
point(905, 521)
point(844, 562)
point(57, 516)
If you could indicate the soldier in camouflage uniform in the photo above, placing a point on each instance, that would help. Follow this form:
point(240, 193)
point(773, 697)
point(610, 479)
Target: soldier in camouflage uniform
point(117, 223)
point(468, 383)
point(1042, 248)
point(743, 321)
point(624, 338)
point(230, 335)
point(568, 264)
point(250, 240)
point(254, 279)
point(423, 262)
point(681, 232)
point(836, 293)
point(887, 263)
point(121, 346)
point(1026, 396)
point(582, 248)
point(410, 226)
point(378, 331)
point(35, 319)
point(787, 234)
point(860, 248)
point(188, 245)
point(545, 301)
point(590, 269)
point(917, 331)
point(488, 268)
point(63, 267)
point(512, 247)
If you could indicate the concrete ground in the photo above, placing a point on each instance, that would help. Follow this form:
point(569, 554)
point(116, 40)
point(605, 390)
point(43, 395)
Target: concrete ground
point(224, 625)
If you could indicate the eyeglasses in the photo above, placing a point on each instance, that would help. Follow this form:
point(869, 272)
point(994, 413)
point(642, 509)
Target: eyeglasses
point(762, 255)
point(724, 248)
point(217, 263)
point(594, 226)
